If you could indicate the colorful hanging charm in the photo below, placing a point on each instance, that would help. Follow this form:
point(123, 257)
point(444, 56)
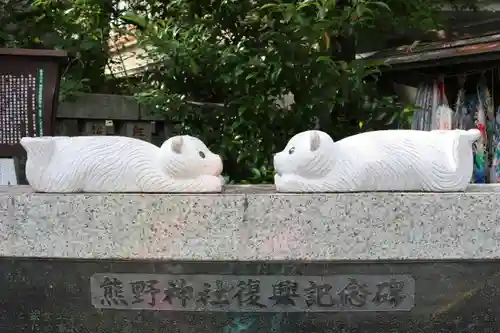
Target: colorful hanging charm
point(444, 115)
point(423, 101)
point(490, 125)
point(495, 165)
point(460, 107)
point(481, 153)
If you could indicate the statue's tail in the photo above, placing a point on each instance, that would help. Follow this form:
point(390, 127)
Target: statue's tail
point(462, 159)
point(39, 149)
point(470, 136)
point(458, 145)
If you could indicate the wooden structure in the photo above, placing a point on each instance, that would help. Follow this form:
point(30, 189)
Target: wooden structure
point(449, 58)
point(101, 114)
point(29, 91)
point(482, 48)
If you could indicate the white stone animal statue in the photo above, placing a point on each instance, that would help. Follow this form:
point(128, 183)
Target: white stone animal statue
point(392, 160)
point(121, 164)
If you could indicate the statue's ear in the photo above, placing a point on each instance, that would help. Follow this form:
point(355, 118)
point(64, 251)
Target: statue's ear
point(177, 144)
point(314, 141)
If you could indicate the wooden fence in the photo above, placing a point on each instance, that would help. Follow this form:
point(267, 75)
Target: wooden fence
point(97, 114)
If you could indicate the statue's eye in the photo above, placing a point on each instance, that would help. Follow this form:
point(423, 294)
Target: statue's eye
point(291, 150)
point(202, 154)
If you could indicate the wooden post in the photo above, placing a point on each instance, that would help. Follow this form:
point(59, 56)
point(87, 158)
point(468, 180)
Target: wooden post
point(138, 129)
point(95, 127)
point(67, 127)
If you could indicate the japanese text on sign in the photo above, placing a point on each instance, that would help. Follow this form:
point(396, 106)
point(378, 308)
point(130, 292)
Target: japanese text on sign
point(17, 96)
point(253, 293)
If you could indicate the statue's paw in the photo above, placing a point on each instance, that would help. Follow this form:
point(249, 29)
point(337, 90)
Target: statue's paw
point(287, 183)
point(278, 181)
point(211, 183)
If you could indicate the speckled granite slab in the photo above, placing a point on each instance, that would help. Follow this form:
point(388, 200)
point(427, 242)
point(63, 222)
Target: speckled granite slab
point(251, 223)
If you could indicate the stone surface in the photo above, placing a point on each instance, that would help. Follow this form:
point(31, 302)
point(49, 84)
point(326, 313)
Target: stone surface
point(388, 160)
point(8, 171)
point(251, 223)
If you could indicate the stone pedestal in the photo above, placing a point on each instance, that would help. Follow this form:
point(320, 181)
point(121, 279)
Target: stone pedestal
point(8, 174)
point(433, 253)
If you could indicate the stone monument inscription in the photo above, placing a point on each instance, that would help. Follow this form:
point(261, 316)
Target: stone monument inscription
point(269, 293)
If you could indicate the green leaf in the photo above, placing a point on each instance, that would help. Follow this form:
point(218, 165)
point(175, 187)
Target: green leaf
point(287, 16)
point(326, 59)
point(412, 108)
point(327, 40)
point(380, 116)
point(256, 173)
point(194, 67)
point(269, 6)
point(392, 119)
point(305, 4)
point(87, 45)
point(321, 12)
point(359, 10)
point(362, 10)
point(135, 19)
point(276, 73)
point(381, 4)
